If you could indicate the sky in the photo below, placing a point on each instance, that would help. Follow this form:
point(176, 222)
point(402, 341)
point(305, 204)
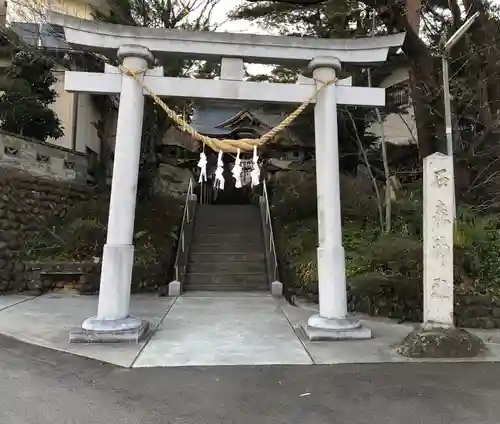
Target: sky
point(221, 11)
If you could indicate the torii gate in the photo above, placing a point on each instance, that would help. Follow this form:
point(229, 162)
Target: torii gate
point(135, 47)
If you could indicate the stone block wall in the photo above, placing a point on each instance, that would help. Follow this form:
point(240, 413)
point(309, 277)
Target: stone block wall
point(43, 159)
point(480, 311)
point(29, 204)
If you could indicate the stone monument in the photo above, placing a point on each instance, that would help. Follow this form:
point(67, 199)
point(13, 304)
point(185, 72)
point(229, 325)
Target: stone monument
point(438, 336)
point(438, 240)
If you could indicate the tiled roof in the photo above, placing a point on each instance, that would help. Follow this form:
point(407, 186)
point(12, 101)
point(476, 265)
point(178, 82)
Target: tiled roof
point(209, 119)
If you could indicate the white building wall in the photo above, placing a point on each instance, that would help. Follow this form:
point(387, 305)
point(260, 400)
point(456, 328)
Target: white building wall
point(76, 113)
point(86, 132)
point(64, 107)
point(399, 128)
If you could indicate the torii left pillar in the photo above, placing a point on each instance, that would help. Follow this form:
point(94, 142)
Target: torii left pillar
point(113, 322)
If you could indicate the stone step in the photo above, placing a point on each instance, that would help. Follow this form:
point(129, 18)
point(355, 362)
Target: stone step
point(226, 208)
point(240, 246)
point(227, 257)
point(218, 288)
point(243, 231)
point(216, 238)
point(227, 267)
point(228, 212)
point(227, 221)
point(240, 280)
point(206, 207)
point(227, 251)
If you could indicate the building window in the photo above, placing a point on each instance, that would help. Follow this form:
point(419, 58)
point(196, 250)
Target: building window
point(398, 96)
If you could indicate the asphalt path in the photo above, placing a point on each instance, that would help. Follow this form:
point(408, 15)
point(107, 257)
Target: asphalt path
point(41, 386)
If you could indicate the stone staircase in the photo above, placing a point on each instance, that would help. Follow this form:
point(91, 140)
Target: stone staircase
point(227, 250)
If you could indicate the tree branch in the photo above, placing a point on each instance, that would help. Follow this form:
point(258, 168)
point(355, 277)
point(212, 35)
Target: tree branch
point(298, 2)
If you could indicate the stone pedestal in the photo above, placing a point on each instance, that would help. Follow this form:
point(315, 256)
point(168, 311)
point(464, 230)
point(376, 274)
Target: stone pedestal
point(332, 323)
point(318, 328)
point(127, 330)
point(439, 342)
point(113, 323)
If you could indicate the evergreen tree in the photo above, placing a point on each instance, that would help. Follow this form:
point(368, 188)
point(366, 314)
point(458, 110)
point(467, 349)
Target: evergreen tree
point(195, 15)
point(322, 20)
point(24, 106)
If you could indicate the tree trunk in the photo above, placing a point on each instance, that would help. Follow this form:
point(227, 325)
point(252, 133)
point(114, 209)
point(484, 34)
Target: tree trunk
point(413, 10)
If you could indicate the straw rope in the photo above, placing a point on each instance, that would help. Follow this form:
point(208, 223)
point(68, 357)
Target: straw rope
point(225, 145)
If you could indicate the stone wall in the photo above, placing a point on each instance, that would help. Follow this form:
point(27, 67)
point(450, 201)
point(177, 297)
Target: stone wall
point(470, 311)
point(478, 311)
point(28, 205)
point(42, 159)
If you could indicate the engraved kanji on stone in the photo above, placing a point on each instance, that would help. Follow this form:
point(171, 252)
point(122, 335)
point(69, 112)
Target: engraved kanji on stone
point(440, 289)
point(441, 217)
point(441, 249)
point(440, 177)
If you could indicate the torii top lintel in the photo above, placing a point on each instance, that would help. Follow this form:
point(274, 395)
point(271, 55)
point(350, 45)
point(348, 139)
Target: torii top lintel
point(267, 49)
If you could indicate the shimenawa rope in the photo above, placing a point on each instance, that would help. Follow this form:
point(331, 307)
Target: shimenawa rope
point(225, 145)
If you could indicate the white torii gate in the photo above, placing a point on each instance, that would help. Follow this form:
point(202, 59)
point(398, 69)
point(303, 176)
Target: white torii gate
point(135, 47)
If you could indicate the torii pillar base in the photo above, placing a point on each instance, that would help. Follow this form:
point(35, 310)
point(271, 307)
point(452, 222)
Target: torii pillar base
point(133, 330)
point(318, 328)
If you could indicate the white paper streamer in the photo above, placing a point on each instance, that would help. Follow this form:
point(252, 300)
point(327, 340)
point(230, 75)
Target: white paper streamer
point(255, 174)
point(237, 170)
point(219, 178)
point(202, 164)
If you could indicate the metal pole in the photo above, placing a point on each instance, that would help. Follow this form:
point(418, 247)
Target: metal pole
point(447, 107)
point(447, 117)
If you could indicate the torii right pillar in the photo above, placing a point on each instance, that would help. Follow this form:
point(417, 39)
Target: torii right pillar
point(332, 322)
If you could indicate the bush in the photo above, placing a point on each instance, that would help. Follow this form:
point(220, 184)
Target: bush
point(81, 235)
point(385, 272)
point(477, 254)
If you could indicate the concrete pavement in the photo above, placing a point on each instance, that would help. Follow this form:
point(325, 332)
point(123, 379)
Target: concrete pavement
point(46, 321)
point(203, 329)
point(42, 386)
point(224, 330)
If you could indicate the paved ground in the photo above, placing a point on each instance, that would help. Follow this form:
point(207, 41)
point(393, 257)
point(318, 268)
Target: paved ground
point(224, 330)
point(46, 321)
point(41, 386)
point(199, 329)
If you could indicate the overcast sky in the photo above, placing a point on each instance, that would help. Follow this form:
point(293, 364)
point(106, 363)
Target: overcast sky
point(221, 11)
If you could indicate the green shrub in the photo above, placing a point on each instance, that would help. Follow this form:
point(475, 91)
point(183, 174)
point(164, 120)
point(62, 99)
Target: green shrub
point(477, 254)
point(81, 235)
point(385, 272)
point(293, 197)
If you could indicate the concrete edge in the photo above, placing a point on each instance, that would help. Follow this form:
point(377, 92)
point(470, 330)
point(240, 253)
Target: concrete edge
point(28, 298)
